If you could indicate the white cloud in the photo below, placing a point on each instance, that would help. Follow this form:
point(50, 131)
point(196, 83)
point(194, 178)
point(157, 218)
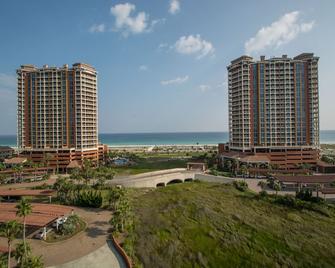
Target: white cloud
point(143, 68)
point(178, 80)
point(278, 33)
point(156, 22)
point(194, 45)
point(127, 23)
point(306, 27)
point(97, 28)
point(163, 46)
point(204, 88)
point(174, 6)
point(224, 84)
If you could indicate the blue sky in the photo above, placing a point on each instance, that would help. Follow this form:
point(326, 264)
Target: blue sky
point(161, 63)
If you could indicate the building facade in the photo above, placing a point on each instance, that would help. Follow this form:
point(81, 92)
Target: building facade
point(58, 113)
point(274, 108)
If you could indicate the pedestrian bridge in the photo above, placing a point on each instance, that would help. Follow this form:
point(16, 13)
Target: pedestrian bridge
point(166, 177)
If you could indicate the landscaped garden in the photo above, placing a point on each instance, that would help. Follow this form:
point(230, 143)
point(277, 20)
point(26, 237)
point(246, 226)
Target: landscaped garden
point(73, 225)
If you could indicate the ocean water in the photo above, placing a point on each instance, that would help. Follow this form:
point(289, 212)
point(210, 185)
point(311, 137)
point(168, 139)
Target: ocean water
point(178, 138)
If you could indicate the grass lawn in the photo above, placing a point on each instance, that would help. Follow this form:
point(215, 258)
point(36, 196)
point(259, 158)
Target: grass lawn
point(151, 164)
point(170, 154)
point(214, 225)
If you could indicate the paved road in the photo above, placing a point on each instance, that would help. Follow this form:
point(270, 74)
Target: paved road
point(104, 257)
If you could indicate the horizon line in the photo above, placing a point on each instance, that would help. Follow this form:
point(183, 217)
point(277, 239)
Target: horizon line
point(164, 132)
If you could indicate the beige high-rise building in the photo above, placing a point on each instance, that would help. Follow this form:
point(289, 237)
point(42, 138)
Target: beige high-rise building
point(58, 113)
point(274, 108)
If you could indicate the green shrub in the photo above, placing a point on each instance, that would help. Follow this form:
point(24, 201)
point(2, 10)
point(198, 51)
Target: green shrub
point(241, 185)
point(71, 225)
point(287, 200)
point(307, 195)
point(88, 198)
point(263, 194)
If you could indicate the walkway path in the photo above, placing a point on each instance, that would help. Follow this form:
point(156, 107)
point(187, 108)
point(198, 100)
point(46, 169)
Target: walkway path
point(50, 181)
point(104, 257)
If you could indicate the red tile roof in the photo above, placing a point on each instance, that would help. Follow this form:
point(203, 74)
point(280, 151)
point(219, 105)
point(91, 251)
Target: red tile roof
point(328, 190)
point(15, 160)
point(306, 179)
point(42, 214)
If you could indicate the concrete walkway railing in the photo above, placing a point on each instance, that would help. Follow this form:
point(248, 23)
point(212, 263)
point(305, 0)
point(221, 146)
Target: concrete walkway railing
point(158, 172)
point(212, 178)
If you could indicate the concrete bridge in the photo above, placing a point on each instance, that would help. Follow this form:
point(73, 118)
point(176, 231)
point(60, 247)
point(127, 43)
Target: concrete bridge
point(166, 177)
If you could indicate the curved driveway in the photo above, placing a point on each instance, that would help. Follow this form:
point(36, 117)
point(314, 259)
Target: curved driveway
point(92, 238)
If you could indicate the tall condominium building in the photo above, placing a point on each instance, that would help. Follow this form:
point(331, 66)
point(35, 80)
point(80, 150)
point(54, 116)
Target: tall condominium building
point(274, 108)
point(58, 113)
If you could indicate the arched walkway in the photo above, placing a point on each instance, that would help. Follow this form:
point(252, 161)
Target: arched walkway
point(188, 180)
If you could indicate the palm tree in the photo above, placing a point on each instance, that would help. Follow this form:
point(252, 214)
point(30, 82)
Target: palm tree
point(87, 171)
point(23, 210)
point(47, 159)
point(262, 184)
point(28, 163)
point(10, 230)
point(75, 175)
point(228, 165)
point(35, 166)
point(276, 187)
point(234, 167)
point(2, 166)
point(21, 252)
point(2, 178)
point(18, 171)
point(318, 187)
point(244, 170)
point(35, 262)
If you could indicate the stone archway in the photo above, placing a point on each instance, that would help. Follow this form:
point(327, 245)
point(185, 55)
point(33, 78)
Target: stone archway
point(160, 184)
point(174, 181)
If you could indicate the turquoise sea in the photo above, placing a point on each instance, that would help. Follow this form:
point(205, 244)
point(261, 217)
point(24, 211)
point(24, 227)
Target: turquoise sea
point(178, 138)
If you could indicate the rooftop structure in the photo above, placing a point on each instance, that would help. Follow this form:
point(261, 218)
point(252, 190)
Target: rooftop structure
point(41, 216)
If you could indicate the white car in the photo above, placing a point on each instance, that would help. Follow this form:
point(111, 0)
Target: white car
point(59, 222)
point(39, 235)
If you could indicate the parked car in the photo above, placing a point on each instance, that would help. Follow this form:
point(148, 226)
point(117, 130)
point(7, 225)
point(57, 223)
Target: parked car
point(59, 221)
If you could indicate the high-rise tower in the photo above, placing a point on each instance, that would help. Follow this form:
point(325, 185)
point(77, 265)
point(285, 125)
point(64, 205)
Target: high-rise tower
point(274, 107)
point(58, 113)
